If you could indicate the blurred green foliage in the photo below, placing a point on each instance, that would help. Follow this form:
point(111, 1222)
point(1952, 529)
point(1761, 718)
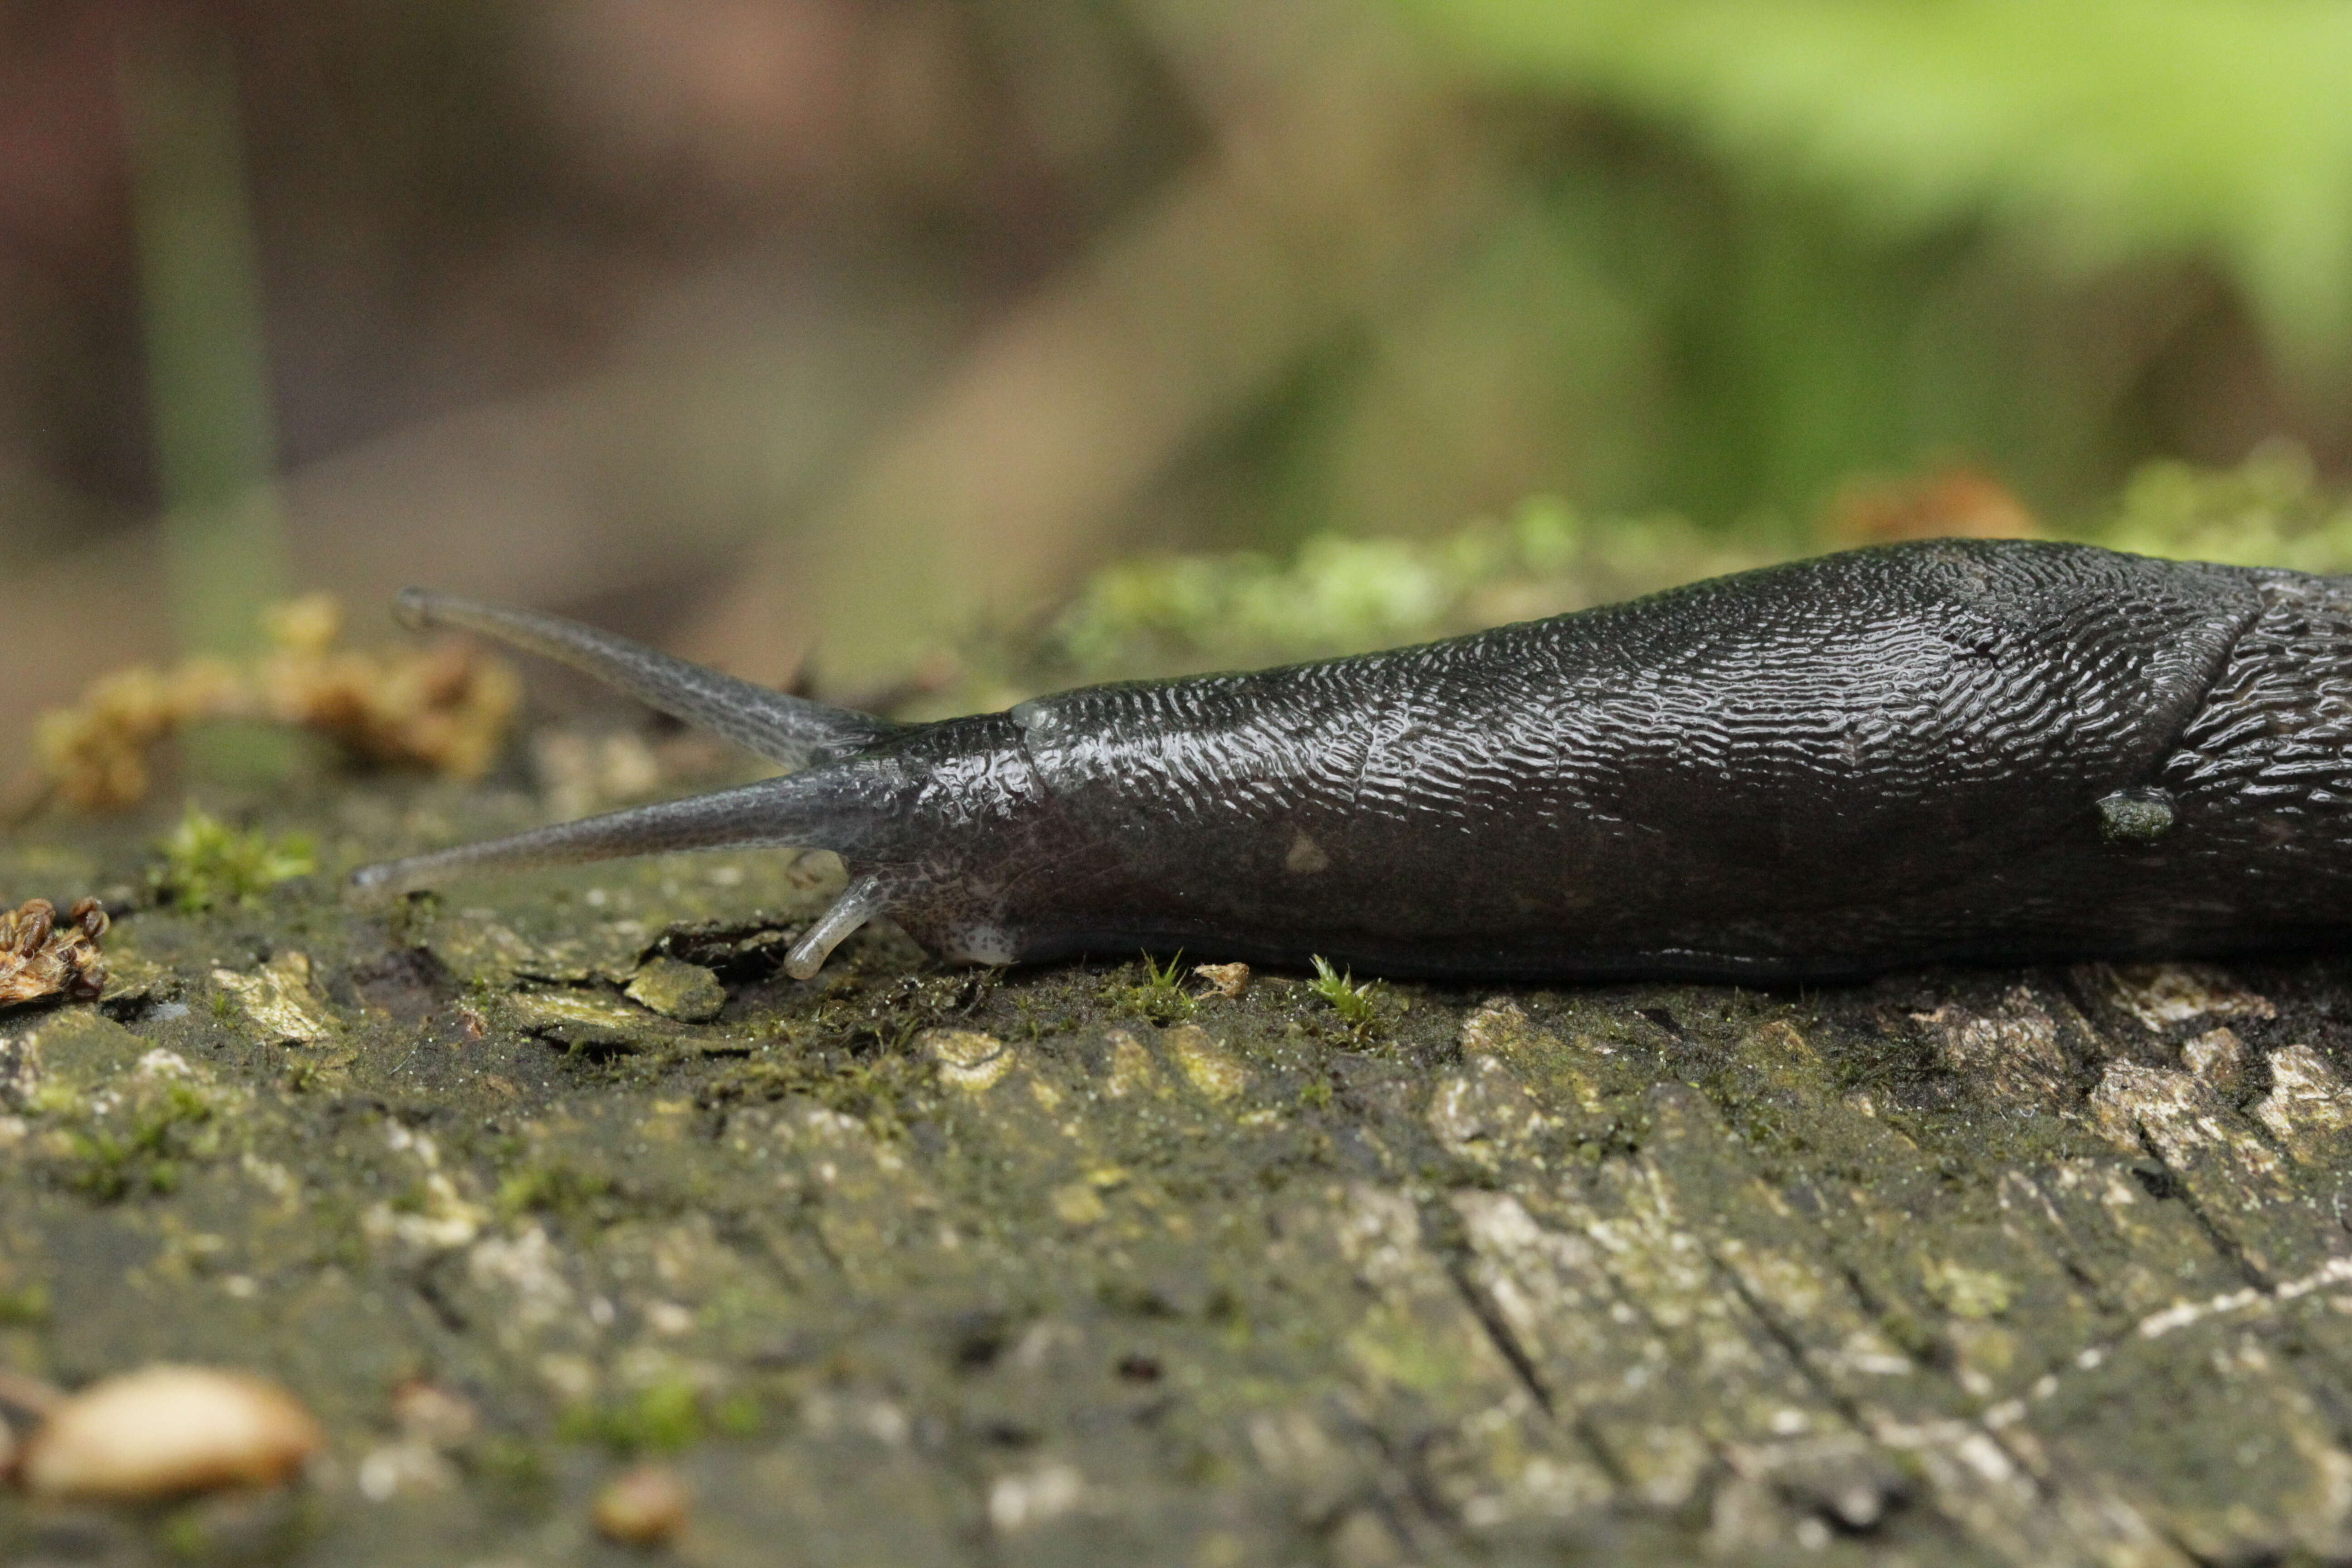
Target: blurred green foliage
point(209, 383)
point(2110, 127)
point(1302, 289)
point(1759, 246)
point(1179, 613)
point(2270, 511)
point(1339, 594)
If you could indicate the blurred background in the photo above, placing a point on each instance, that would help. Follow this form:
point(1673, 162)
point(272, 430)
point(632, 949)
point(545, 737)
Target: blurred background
point(811, 337)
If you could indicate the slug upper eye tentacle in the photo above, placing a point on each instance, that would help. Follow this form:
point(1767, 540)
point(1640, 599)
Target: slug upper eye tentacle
point(783, 729)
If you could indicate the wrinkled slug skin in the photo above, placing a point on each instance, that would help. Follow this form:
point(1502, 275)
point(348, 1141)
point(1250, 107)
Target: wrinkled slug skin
point(1886, 757)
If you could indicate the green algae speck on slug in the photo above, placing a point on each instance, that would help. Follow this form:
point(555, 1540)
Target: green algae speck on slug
point(1958, 751)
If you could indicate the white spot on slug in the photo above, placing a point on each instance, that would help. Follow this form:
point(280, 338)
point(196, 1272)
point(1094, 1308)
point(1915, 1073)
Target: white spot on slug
point(1305, 856)
point(982, 944)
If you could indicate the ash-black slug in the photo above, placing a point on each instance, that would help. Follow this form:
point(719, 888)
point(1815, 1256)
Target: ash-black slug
point(1955, 751)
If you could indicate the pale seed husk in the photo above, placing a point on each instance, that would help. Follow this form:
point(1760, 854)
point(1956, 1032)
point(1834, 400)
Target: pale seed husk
point(164, 1430)
point(640, 1507)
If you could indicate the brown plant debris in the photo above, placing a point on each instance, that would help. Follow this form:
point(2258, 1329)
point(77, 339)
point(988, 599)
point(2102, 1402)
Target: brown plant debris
point(1223, 979)
point(444, 707)
point(40, 957)
point(1944, 503)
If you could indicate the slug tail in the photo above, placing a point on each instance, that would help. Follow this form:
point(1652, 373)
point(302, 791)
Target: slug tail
point(792, 730)
point(820, 810)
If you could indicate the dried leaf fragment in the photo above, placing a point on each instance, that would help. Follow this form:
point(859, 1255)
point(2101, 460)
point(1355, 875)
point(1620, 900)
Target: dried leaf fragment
point(444, 707)
point(1225, 979)
point(40, 956)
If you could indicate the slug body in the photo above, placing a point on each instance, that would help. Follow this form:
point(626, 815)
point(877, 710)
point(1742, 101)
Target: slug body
point(1955, 751)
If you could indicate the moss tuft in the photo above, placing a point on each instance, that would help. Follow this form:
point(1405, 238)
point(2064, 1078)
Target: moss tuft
point(1159, 999)
point(207, 864)
point(164, 1130)
point(566, 1192)
point(662, 1417)
point(1353, 1002)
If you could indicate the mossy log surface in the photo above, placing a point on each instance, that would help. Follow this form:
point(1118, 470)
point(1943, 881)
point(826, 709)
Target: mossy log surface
point(916, 1266)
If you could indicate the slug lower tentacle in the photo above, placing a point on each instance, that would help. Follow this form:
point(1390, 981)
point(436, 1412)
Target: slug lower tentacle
point(798, 810)
point(1955, 751)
